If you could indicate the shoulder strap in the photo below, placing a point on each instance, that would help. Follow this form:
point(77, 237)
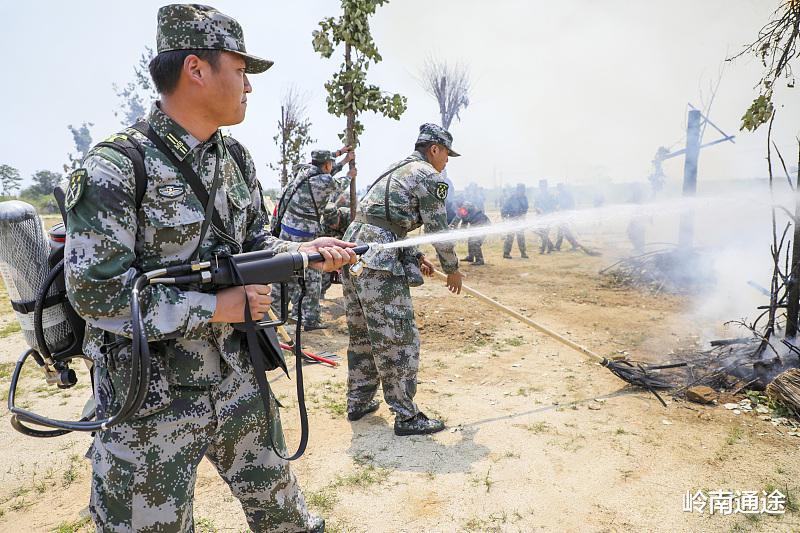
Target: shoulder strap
point(374, 183)
point(186, 171)
point(128, 146)
point(283, 206)
point(236, 150)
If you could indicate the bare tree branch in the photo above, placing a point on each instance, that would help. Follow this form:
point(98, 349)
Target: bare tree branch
point(449, 85)
point(293, 132)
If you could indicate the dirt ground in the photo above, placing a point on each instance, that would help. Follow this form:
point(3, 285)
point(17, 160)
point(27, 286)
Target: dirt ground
point(538, 439)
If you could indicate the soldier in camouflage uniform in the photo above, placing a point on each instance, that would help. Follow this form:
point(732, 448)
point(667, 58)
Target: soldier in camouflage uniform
point(515, 207)
point(544, 203)
point(202, 398)
point(300, 217)
point(469, 216)
point(384, 341)
point(335, 219)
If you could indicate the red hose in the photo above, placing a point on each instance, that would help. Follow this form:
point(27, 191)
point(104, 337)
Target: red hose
point(311, 355)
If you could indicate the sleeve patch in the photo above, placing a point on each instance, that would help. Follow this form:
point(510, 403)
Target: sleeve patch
point(77, 183)
point(441, 190)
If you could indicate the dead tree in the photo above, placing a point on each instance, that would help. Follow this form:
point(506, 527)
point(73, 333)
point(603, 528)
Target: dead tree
point(449, 85)
point(293, 133)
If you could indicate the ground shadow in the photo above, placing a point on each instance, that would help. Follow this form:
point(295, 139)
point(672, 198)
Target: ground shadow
point(451, 451)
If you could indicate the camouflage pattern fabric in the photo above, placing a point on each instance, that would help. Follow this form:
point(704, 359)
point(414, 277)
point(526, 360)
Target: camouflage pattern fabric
point(153, 462)
point(384, 341)
point(108, 243)
point(312, 190)
point(302, 222)
point(470, 215)
point(197, 27)
point(415, 199)
point(515, 207)
point(436, 134)
point(509, 242)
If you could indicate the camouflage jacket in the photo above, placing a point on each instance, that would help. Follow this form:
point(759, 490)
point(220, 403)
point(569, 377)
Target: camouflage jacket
point(469, 215)
point(312, 191)
point(416, 197)
point(109, 242)
point(515, 206)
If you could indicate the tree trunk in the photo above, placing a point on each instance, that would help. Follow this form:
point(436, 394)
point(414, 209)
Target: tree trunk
point(793, 296)
point(350, 139)
point(284, 174)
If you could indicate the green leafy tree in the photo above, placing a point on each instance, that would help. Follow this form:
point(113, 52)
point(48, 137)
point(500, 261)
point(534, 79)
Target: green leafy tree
point(9, 180)
point(136, 95)
point(349, 94)
point(293, 134)
point(776, 46)
point(44, 182)
point(82, 138)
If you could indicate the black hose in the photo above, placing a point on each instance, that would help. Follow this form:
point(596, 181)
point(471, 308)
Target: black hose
point(38, 310)
point(137, 387)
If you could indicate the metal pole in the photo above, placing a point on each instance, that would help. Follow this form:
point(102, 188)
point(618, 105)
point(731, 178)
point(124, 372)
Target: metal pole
point(686, 231)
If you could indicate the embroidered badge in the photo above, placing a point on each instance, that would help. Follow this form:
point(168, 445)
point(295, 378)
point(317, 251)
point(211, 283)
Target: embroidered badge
point(441, 190)
point(171, 191)
point(77, 183)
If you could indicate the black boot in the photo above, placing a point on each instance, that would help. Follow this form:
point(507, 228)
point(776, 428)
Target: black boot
point(311, 326)
point(417, 425)
point(469, 259)
point(361, 412)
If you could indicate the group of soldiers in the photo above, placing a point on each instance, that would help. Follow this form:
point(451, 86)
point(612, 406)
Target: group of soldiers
point(515, 207)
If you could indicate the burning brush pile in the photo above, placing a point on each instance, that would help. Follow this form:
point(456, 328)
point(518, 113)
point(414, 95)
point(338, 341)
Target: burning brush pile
point(765, 372)
point(674, 271)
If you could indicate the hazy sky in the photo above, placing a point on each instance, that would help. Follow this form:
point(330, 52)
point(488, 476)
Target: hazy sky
point(574, 90)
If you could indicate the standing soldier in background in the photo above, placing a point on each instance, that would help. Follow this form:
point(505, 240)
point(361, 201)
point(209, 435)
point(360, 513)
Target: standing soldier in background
point(335, 219)
point(202, 398)
point(299, 219)
point(544, 203)
point(384, 341)
point(515, 207)
point(471, 216)
point(565, 202)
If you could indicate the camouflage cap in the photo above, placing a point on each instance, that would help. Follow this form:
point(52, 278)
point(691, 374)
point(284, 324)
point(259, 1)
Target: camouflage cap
point(319, 157)
point(198, 27)
point(437, 134)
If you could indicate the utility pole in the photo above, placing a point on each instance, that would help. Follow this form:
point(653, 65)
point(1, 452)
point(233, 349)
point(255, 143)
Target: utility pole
point(686, 231)
point(694, 136)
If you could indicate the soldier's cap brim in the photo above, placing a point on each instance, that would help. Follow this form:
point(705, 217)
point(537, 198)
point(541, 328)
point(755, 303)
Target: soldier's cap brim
point(453, 153)
point(255, 65)
point(252, 64)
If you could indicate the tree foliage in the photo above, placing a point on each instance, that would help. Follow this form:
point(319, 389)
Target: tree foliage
point(9, 180)
point(776, 46)
point(136, 95)
point(293, 133)
point(44, 182)
point(349, 94)
point(82, 138)
point(449, 85)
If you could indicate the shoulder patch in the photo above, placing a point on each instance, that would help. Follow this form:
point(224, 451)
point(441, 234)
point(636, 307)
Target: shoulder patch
point(171, 191)
point(77, 183)
point(441, 190)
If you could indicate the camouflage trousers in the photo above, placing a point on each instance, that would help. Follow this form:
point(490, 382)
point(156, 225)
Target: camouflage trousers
point(509, 242)
point(384, 341)
point(144, 470)
point(565, 232)
point(474, 249)
point(311, 309)
point(547, 245)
